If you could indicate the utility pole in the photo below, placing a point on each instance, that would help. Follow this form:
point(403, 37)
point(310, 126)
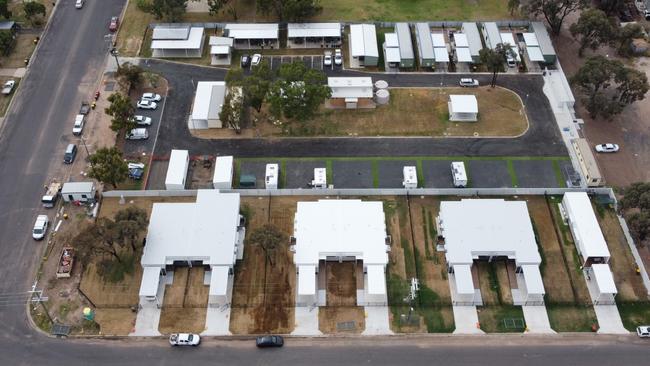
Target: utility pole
point(115, 53)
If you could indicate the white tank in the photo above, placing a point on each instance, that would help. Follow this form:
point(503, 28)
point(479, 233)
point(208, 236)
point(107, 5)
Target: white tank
point(381, 84)
point(382, 96)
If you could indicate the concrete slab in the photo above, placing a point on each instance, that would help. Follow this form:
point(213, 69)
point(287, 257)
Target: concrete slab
point(146, 322)
point(535, 173)
point(466, 320)
point(609, 320)
point(157, 174)
point(489, 174)
point(437, 174)
point(391, 173)
point(300, 173)
point(537, 320)
point(258, 169)
point(352, 174)
point(306, 321)
point(217, 321)
point(377, 320)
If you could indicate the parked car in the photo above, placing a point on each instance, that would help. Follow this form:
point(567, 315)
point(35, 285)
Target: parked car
point(607, 148)
point(625, 15)
point(135, 165)
point(245, 61)
point(184, 339)
point(136, 173)
point(40, 227)
point(78, 126)
point(70, 154)
point(643, 331)
point(327, 58)
point(84, 108)
point(338, 57)
point(137, 134)
point(468, 82)
point(147, 104)
point(269, 341)
point(8, 87)
point(79, 4)
point(257, 58)
point(142, 120)
point(151, 97)
point(115, 22)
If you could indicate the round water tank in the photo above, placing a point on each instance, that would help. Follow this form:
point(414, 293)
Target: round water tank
point(381, 84)
point(382, 96)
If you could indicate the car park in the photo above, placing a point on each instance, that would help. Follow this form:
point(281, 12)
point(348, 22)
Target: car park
point(468, 82)
point(142, 120)
point(40, 227)
point(78, 126)
point(643, 331)
point(607, 148)
point(257, 58)
point(245, 61)
point(79, 4)
point(70, 154)
point(137, 134)
point(338, 57)
point(184, 339)
point(327, 58)
point(147, 104)
point(114, 24)
point(269, 341)
point(153, 97)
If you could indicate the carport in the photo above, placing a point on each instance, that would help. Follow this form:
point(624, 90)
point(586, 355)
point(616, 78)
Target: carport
point(253, 35)
point(313, 35)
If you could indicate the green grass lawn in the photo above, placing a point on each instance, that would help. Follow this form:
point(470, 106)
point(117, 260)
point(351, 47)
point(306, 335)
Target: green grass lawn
point(571, 318)
point(634, 314)
point(492, 318)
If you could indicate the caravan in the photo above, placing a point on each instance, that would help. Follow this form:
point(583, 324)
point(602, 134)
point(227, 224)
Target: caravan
point(459, 174)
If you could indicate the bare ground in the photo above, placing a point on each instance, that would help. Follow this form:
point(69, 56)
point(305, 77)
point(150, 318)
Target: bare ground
point(341, 284)
point(330, 316)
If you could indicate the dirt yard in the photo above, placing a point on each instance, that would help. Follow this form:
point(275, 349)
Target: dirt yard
point(23, 50)
point(185, 302)
point(199, 176)
point(341, 284)
point(341, 319)
point(116, 321)
point(110, 205)
point(186, 320)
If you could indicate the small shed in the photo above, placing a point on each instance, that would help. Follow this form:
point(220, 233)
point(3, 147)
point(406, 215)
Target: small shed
point(223, 172)
point(208, 101)
point(363, 44)
point(79, 192)
point(272, 176)
point(426, 55)
point(182, 40)
point(606, 290)
point(253, 35)
point(410, 177)
point(220, 50)
point(313, 35)
point(463, 108)
point(587, 162)
point(179, 162)
point(407, 56)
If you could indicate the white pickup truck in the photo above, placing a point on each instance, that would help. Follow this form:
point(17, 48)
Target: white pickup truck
point(8, 87)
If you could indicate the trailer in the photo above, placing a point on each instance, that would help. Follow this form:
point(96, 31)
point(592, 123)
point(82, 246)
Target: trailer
point(320, 178)
point(66, 261)
point(459, 174)
point(410, 177)
point(51, 195)
point(83, 192)
point(272, 175)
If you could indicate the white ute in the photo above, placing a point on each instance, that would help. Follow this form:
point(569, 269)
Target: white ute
point(184, 339)
point(40, 227)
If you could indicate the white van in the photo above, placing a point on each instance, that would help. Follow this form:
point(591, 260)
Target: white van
point(458, 174)
point(137, 134)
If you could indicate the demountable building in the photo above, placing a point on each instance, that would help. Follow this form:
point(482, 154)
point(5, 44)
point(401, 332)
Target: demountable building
point(463, 108)
point(426, 55)
point(474, 42)
point(363, 44)
point(179, 162)
point(78, 191)
point(180, 40)
point(320, 178)
point(587, 235)
point(351, 89)
point(223, 172)
point(407, 56)
point(253, 35)
point(220, 50)
point(208, 102)
point(313, 35)
point(544, 42)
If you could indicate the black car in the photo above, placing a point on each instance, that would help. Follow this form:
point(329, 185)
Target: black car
point(245, 61)
point(269, 341)
point(136, 173)
point(70, 154)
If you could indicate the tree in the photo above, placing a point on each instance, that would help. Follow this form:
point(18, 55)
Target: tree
point(555, 11)
point(513, 5)
point(257, 85)
point(298, 92)
point(32, 9)
point(290, 10)
point(270, 239)
point(130, 74)
point(169, 10)
point(99, 238)
point(232, 109)
point(222, 6)
point(494, 59)
point(107, 165)
point(4, 9)
point(611, 7)
point(130, 223)
point(7, 42)
point(637, 195)
point(626, 35)
point(234, 76)
point(122, 112)
point(592, 29)
point(632, 85)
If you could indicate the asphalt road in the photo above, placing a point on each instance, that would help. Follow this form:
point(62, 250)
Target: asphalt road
point(67, 66)
point(542, 138)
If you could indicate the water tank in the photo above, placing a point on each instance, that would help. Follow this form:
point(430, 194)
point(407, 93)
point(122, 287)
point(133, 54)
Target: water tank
point(382, 96)
point(381, 84)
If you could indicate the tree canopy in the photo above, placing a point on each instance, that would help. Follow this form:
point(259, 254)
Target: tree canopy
point(168, 10)
point(555, 11)
point(593, 29)
point(107, 165)
point(636, 201)
point(4, 9)
point(131, 75)
point(270, 239)
point(290, 10)
point(122, 111)
point(494, 59)
point(298, 92)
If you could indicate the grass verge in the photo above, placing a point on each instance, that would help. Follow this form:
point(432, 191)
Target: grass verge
point(634, 314)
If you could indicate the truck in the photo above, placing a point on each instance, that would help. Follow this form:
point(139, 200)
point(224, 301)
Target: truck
point(51, 194)
point(8, 87)
point(66, 261)
point(458, 174)
point(85, 108)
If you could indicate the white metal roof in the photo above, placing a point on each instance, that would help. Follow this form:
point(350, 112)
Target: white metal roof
point(252, 30)
point(150, 281)
point(204, 230)
point(535, 54)
point(220, 41)
point(491, 34)
point(403, 31)
point(410, 174)
point(464, 281)
point(363, 40)
point(487, 227)
point(438, 40)
point(350, 87)
point(376, 280)
point(507, 37)
point(272, 173)
point(463, 103)
point(208, 99)
point(219, 280)
point(425, 46)
point(604, 278)
point(320, 176)
point(223, 169)
point(314, 30)
point(463, 54)
point(545, 44)
point(192, 42)
point(458, 169)
point(340, 228)
point(441, 54)
point(533, 279)
point(391, 40)
point(177, 168)
point(392, 54)
point(473, 38)
point(460, 40)
point(530, 39)
point(585, 225)
point(307, 280)
point(77, 187)
point(177, 32)
point(219, 50)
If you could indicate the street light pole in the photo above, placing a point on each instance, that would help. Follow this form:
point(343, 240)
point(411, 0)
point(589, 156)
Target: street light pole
point(115, 53)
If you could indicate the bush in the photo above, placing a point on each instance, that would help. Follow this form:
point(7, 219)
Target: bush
point(113, 271)
point(143, 5)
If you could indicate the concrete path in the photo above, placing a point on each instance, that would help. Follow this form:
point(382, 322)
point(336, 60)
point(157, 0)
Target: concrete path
point(16, 73)
point(377, 320)
point(217, 321)
point(146, 323)
point(306, 321)
point(537, 320)
point(609, 320)
point(466, 320)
